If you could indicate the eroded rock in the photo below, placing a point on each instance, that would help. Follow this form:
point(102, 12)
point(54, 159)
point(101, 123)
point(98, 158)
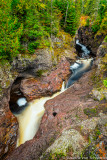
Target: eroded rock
point(102, 50)
point(35, 88)
point(8, 133)
point(89, 39)
point(70, 140)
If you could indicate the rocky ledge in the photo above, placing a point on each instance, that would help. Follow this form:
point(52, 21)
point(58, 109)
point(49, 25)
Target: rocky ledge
point(33, 88)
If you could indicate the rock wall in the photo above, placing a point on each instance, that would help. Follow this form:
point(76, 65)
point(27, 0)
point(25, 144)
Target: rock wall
point(8, 123)
point(100, 90)
point(90, 39)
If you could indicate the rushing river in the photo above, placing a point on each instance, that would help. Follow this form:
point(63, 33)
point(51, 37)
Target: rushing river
point(29, 115)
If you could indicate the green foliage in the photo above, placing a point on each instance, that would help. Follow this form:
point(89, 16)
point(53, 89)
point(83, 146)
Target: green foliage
point(103, 26)
point(100, 22)
point(91, 112)
point(105, 83)
point(71, 11)
point(97, 10)
point(10, 32)
point(105, 38)
point(102, 8)
point(26, 23)
point(90, 7)
point(87, 22)
point(96, 25)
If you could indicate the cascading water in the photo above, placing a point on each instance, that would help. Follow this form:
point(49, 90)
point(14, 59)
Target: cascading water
point(85, 51)
point(80, 66)
point(29, 115)
point(29, 120)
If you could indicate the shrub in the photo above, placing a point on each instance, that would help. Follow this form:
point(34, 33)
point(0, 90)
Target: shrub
point(105, 83)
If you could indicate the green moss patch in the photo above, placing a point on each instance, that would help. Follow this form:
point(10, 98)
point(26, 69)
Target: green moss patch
point(91, 112)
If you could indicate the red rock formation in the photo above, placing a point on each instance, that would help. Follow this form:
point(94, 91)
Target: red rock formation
point(8, 130)
point(36, 88)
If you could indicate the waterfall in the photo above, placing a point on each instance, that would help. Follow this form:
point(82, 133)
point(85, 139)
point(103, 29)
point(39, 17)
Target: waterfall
point(79, 68)
point(85, 52)
point(29, 119)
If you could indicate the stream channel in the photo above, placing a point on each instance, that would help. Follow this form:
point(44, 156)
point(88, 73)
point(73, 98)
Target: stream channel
point(29, 115)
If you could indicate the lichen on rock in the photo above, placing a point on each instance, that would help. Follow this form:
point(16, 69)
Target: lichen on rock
point(69, 140)
point(99, 90)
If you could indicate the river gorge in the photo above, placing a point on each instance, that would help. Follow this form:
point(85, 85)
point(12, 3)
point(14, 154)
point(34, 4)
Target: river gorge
point(59, 108)
point(29, 114)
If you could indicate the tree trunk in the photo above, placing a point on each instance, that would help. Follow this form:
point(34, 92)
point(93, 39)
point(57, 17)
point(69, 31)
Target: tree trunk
point(66, 14)
point(51, 17)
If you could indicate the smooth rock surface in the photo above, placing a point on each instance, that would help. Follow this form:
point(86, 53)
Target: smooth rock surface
point(35, 88)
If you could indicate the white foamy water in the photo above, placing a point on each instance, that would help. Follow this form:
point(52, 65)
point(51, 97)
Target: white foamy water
point(63, 87)
point(83, 66)
point(75, 66)
point(21, 102)
point(83, 48)
point(29, 120)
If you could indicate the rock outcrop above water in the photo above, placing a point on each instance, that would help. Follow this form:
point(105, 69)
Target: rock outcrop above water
point(45, 86)
point(102, 50)
point(8, 123)
point(100, 90)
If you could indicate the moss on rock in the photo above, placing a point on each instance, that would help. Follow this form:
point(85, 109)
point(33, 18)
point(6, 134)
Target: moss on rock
point(91, 112)
point(100, 90)
point(70, 141)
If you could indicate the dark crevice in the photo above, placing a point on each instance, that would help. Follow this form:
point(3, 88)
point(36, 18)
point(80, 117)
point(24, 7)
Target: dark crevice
point(54, 114)
point(16, 94)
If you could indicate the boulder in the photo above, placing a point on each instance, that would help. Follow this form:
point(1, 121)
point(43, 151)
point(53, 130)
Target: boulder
point(33, 88)
point(102, 50)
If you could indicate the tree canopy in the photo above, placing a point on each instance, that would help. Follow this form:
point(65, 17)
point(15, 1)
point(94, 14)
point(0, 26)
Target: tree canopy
point(26, 25)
